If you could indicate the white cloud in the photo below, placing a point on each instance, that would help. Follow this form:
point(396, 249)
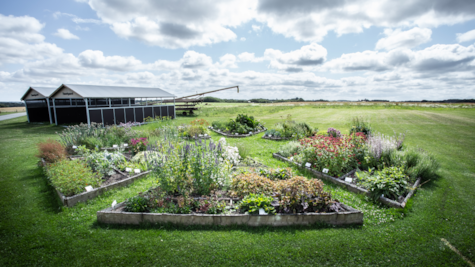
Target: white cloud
point(227, 61)
point(249, 57)
point(294, 61)
point(75, 18)
point(256, 28)
point(310, 20)
point(180, 25)
point(65, 34)
point(466, 37)
point(397, 39)
point(242, 39)
point(21, 41)
point(96, 59)
point(195, 60)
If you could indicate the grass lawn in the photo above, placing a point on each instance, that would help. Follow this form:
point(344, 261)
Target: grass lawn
point(36, 230)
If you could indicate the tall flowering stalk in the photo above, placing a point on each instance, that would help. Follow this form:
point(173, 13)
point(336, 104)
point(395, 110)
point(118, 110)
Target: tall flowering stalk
point(186, 168)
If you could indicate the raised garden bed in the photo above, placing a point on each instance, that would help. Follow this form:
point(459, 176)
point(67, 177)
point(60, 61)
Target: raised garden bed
point(238, 135)
point(119, 179)
point(116, 215)
point(351, 186)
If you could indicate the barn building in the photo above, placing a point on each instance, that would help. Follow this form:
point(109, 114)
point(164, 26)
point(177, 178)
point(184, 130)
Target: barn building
point(37, 103)
point(74, 103)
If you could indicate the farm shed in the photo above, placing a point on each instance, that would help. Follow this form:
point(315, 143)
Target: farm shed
point(73, 103)
point(37, 103)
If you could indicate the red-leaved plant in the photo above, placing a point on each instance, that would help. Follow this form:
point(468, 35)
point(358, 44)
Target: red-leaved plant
point(139, 144)
point(51, 151)
point(337, 154)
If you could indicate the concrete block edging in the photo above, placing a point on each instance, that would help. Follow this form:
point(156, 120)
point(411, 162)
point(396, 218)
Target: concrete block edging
point(116, 216)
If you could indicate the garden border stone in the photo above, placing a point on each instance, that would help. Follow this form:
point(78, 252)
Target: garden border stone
point(351, 187)
point(116, 216)
point(277, 139)
point(83, 197)
point(239, 135)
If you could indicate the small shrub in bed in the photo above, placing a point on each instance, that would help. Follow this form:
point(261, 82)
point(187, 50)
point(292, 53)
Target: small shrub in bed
point(389, 182)
point(332, 132)
point(300, 194)
point(360, 125)
point(276, 174)
point(137, 204)
point(251, 183)
point(71, 177)
point(290, 149)
point(243, 124)
point(138, 144)
point(252, 203)
point(289, 128)
point(51, 151)
point(416, 163)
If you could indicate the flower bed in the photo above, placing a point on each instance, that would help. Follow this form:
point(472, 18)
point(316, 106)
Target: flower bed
point(119, 179)
point(289, 129)
point(242, 126)
point(237, 135)
point(352, 186)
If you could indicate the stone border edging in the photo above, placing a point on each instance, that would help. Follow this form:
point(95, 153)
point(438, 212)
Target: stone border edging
point(84, 196)
point(277, 139)
point(112, 216)
point(239, 135)
point(351, 187)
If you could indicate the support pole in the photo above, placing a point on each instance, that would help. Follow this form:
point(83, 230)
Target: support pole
point(49, 111)
point(54, 108)
point(174, 109)
point(87, 112)
point(27, 114)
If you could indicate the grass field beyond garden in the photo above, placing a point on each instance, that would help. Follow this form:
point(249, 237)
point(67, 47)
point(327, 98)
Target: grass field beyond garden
point(36, 230)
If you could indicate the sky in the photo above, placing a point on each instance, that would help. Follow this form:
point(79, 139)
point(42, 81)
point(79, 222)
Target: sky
point(274, 49)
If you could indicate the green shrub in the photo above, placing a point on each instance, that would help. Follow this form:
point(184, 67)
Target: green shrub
point(137, 204)
point(244, 151)
point(416, 163)
point(360, 125)
point(92, 142)
point(71, 177)
point(290, 149)
point(252, 203)
point(390, 182)
point(276, 174)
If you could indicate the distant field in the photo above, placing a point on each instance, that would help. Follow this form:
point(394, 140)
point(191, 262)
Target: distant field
point(4, 111)
point(347, 104)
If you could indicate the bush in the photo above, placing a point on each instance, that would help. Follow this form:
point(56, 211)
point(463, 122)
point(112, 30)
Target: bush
point(252, 203)
point(290, 149)
point(244, 151)
point(300, 194)
point(332, 132)
point(71, 177)
point(104, 162)
point(276, 174)
point(137, 204)
point(390, 182)
point(138, 144)
point(359, 125)
point(51, 151)
point(251, 183)
point(210, 206)
point(92, 142)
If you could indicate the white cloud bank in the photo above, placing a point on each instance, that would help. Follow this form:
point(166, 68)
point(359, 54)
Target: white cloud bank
point(466, 37)
point(65, 34)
